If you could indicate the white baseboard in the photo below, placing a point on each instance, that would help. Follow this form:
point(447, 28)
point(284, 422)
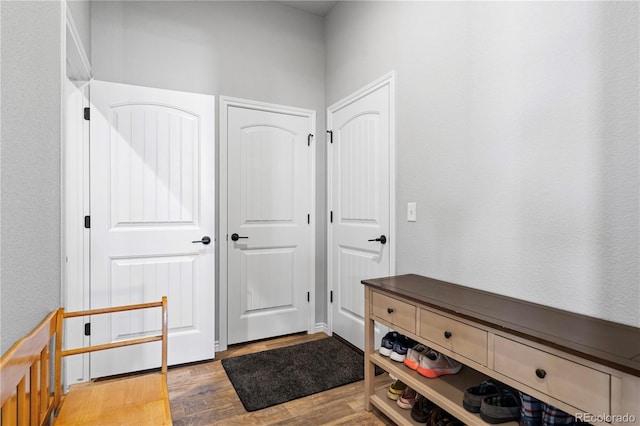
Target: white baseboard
point(322, 327)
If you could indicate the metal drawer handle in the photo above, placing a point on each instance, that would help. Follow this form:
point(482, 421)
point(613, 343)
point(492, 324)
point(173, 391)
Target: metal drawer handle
point(541, 373)
point(447, 334)
point(390, 310)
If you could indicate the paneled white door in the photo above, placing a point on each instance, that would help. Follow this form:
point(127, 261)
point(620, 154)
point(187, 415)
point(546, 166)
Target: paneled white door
point(269, 235)
point(152, 195)
point(360, 200)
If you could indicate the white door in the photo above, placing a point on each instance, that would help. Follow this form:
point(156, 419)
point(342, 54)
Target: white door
point(269, 231)
point(360, 194)
point(152, 194)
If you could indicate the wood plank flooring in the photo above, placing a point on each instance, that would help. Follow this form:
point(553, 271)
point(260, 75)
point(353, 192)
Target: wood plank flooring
point(201, 394)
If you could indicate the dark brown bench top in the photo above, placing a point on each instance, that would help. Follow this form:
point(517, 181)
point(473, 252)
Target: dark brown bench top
point(604, 342)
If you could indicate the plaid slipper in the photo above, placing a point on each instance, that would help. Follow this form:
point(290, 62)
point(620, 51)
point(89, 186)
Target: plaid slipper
point(500, 409)
point(531, 410)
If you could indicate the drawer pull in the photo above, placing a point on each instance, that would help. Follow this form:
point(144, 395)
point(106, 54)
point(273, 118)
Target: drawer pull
point(389, 310)
point(541, 373)
point(447, 334)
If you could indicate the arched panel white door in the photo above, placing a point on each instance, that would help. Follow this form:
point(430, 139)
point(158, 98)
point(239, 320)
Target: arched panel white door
point(152, 195)
point(269, 233)
point(360, 199)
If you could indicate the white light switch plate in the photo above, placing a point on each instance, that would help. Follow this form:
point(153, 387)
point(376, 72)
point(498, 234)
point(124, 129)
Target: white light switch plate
point(411, 212)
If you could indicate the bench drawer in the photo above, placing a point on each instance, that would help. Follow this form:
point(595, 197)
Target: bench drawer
point(394, 311)
point(458, 337)
point(575, 384)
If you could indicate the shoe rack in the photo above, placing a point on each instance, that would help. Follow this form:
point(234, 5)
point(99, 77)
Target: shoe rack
point(572, 362)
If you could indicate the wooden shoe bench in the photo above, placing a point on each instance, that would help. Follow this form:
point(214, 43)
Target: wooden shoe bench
point(28, 368)
point(582, 365)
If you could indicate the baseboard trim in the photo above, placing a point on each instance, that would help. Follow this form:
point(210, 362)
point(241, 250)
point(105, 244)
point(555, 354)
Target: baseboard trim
point(322, 327)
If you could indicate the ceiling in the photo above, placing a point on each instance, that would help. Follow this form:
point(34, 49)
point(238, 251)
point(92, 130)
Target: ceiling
point(316, 7)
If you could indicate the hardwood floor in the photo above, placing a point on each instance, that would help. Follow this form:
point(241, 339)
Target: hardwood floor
point(201, 394)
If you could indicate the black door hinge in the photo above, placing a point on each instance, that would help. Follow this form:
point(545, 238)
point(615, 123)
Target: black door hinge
point(87, 114)
point(309, 139)
point(331, 296)
point(330, 135)
point(308, 296)
point(308, 218)
point(87, 329)
point(87, 222)
point(331, 216)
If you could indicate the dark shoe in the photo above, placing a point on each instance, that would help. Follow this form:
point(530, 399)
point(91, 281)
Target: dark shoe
point(439, 417)
point(473, 396)
point(400, 348)
point(421, 409)
point(500, 409)
point(388, 341)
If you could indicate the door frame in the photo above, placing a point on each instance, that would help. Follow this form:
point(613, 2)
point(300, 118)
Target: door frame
point(389, 80)
point(74, 157)
point(227, 102)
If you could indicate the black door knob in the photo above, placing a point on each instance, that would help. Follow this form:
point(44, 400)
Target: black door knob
point(382, 239)
point(236, 237)
point(205, 240)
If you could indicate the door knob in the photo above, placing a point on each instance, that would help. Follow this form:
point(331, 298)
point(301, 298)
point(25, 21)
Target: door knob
point(205, 240)
point(236, 237)
point(382, 239)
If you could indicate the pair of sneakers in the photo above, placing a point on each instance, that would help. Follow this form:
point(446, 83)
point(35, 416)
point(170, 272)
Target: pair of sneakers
point(430, 363)
point(395, 346)
point(404, 396)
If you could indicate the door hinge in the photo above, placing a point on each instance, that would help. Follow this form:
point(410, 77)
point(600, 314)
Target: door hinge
point(308, 218)
point(331, 216)
point(87, 329)
point(87, 222)
point(331, 296)
point(309, 139)
point(330, 135)
point(87, 113)
point(308, 296)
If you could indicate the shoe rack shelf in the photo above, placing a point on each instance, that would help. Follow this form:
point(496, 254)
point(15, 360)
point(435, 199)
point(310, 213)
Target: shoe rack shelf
point(580, 365)
point(445, 391)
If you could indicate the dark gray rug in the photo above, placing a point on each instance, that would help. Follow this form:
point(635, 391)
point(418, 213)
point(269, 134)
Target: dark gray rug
point(273, 377)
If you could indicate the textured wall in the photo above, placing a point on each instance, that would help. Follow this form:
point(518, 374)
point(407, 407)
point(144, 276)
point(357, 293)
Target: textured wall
point(30, 165)
point(81, 11)
point(517, 136)
point(254, 50)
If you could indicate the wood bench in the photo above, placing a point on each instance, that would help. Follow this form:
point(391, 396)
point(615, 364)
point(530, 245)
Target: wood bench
point(27, 396)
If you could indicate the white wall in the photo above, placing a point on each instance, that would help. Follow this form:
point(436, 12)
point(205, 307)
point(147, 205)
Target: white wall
point(31, 64)
point(517, 136)
point(255, 50)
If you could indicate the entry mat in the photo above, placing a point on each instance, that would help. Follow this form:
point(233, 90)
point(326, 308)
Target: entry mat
point(276, 376)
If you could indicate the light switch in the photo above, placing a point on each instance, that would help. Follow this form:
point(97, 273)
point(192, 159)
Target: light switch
point(411, 212)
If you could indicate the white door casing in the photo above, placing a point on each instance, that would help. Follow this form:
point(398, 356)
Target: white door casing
point(76, 185)
point(270, 203)
point(361, 172)
point(152, 195)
